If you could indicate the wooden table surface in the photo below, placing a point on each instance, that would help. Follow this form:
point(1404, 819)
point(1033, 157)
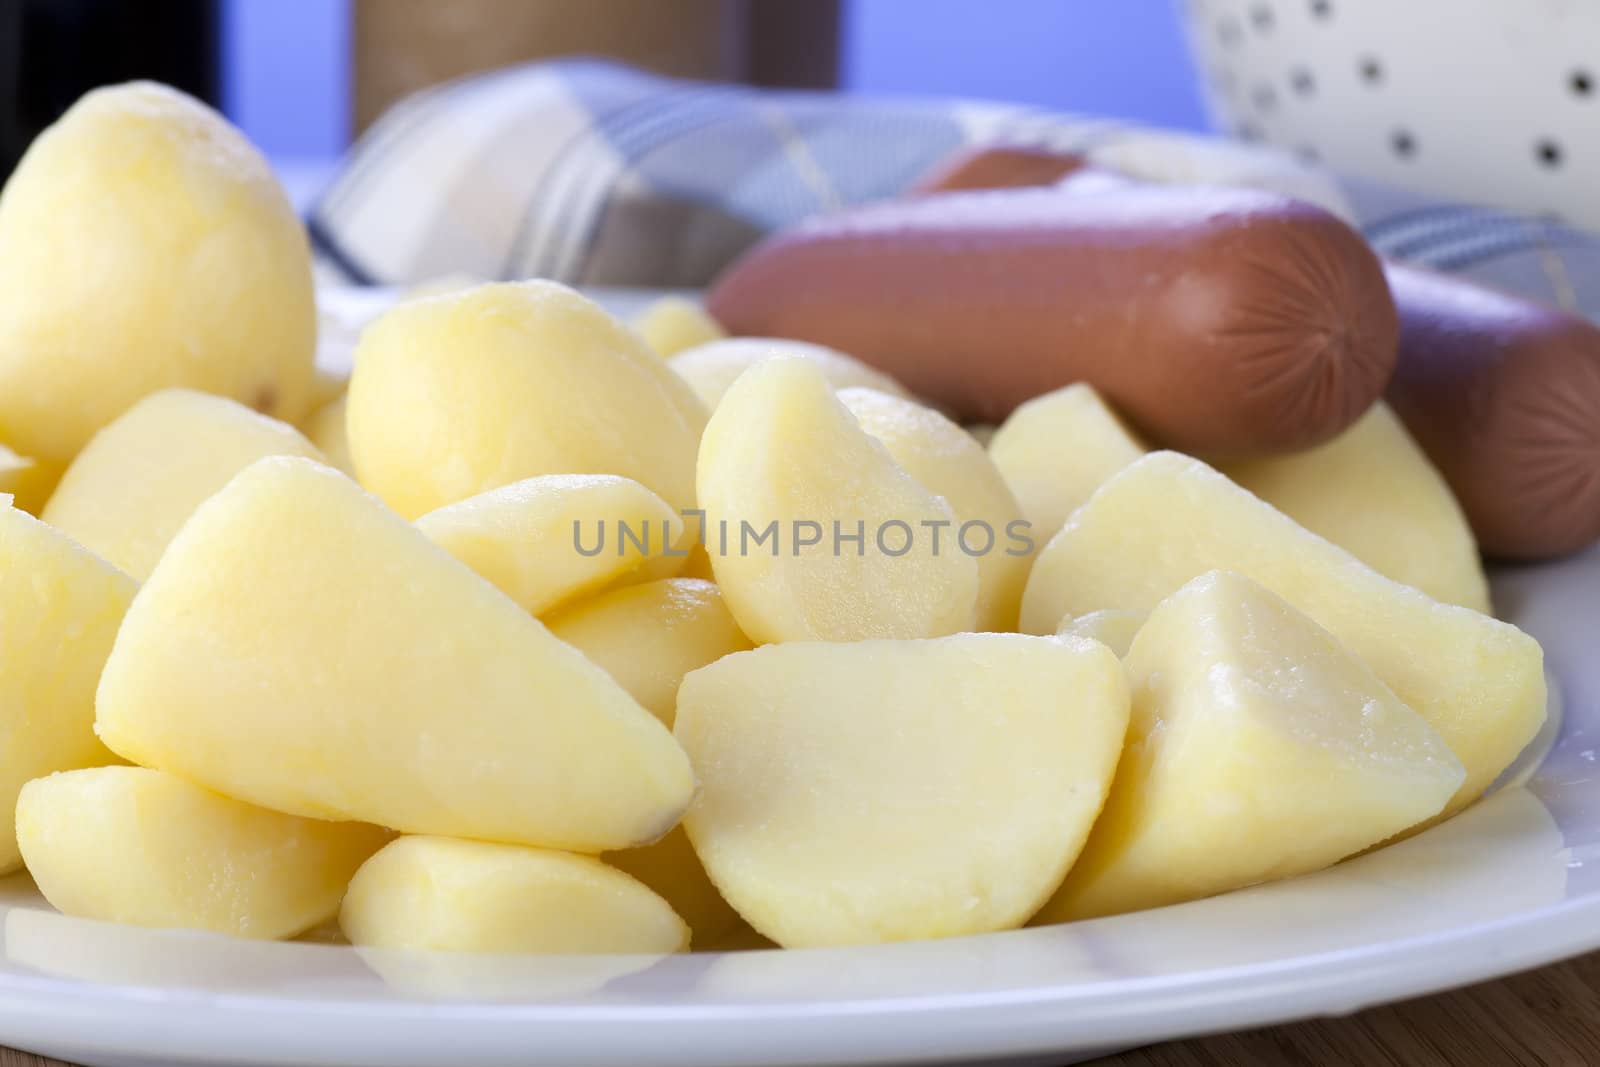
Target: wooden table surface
point(1544, 1018)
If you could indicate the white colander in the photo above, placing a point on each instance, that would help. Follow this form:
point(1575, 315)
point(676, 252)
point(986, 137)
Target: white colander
point(1489, 101)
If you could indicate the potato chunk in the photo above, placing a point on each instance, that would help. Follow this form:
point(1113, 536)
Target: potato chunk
point(546, 541)
point(1259, 748)
point(137, 846)
point(711, 369)
point(895, 790)
point(303, 648)
point(1168, 518)
point(674, 323)
point(59, 611)
point(814, 532)
point(1373, 492)
point(947, 462)
point(458, 394)
point(447, 895)
point(649, 636)
point(28, 482)
point(147, 245)
point(326, 430)
point(1057, 449)
point(1114, 629)
point(142, 476)
point(671, 868)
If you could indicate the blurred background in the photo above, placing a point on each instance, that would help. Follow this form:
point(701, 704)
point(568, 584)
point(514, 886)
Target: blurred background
point(1490, 101)
point(302, 77)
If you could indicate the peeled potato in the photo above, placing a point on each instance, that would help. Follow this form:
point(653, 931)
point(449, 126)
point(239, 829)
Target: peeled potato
point(1167, 519)
point(671, 869)
point(137, 846)
point(1373, 492)
point(1112, 628)
point(783, 455)
point(326, 430)
point(28, 482)
point(894, 790)
point(674, 323)
point(301, 647)
point(60, 608)
point(649, 636)
point(459, 394)
point(549, 540)
point(1260, 748)
point(147, 245)
point(142, 476)
point(1056, 449)
point(949, 463)
point(327, 386)
point(711, 369)
point(442, 894)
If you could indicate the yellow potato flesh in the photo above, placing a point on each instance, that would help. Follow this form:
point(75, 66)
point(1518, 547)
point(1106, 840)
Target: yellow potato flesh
point(459, 394)
point(28, 482)
point(947, 462)
point(327, 386)
point(326, 430)
point(896, 790)
point(545, 541)
point(711, 369)
point(782, 455)
point(674, 323)
point(1168, 518)
point(1056, 450)
point(147, 245)
point(1373, 492)
point(60, 608)
point(442, 894)
point(1114, 629)
point(672, 870)
point(649, 636)
point(131, 845)
point(142, 476)
point(301, 647)
point(1259, 748)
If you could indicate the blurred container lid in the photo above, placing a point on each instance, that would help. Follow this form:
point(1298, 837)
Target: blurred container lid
point(1490, 101)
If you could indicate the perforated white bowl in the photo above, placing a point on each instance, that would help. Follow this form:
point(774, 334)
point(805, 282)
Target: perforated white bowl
point(1488, 101)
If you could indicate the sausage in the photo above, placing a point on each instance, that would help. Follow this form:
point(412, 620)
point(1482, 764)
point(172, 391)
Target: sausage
point(1504, 395)
point(1228, 322)
point(998, 167)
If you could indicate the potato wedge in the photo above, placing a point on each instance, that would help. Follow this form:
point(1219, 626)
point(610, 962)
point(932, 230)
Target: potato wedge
point(367, 675)
point(131, 845)
point(896, 790)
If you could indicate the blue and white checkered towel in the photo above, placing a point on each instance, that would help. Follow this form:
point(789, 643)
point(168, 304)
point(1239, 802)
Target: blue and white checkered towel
point(596, 174)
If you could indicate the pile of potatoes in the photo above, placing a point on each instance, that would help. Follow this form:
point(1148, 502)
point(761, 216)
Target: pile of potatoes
point(276, 649)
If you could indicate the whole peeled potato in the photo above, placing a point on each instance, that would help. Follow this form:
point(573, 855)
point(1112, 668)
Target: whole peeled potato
point(146, 245)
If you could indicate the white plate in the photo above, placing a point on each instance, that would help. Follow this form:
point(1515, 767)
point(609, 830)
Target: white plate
point(1511, 883)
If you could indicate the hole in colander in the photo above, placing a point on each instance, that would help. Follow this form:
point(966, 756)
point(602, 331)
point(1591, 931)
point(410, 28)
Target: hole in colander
point(1228, 31)
point(1249, 131)
point(1307, 153)
point(1322, 9)
point(1371, 70)
point(1265, 97)
point(1548, 152)
point(1404, 143)
point(1581, 83)
point(1261, 18)
point(1302, 81)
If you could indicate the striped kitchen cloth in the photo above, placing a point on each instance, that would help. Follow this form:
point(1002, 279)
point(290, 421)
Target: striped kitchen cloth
point(597, 174)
